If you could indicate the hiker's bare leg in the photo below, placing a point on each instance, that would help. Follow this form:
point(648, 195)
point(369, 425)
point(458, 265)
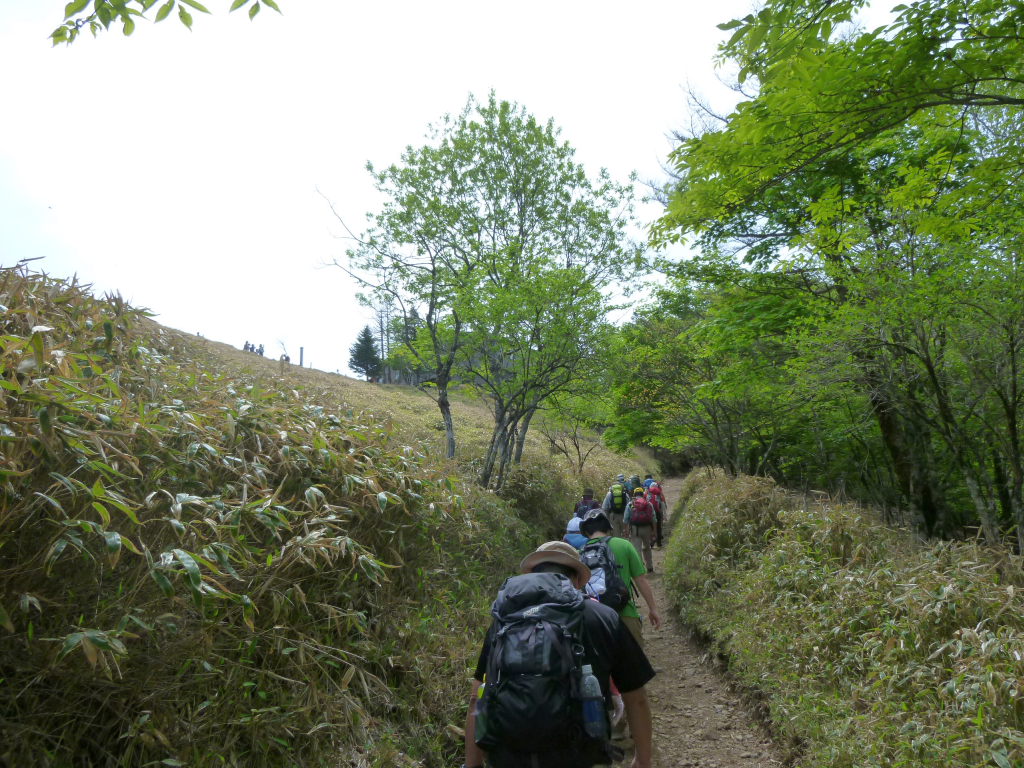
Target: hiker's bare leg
point(638, 713)
point(474, 755)
point(645, 534)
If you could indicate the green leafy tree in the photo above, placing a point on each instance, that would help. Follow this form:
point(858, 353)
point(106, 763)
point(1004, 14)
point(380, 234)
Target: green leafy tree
point(364, 358)
point(98, 15)
point(499, 242)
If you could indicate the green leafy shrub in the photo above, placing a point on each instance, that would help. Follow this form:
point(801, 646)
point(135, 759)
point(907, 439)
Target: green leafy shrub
point(199, 567)
point(873, 648)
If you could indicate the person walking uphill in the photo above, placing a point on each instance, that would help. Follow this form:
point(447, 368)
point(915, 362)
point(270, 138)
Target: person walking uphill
point(615, 503)
point(585, 504)
point(602, 546)
point(542, 683)
point(642, 517)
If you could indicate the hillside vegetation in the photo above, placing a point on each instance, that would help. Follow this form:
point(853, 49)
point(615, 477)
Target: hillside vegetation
point(204, 562)
point(871, 648)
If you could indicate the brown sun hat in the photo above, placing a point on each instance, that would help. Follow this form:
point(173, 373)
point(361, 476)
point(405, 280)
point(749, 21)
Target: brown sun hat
point(588, 492)
point(555, 552)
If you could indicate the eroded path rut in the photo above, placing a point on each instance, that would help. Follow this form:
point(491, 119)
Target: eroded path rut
point(698, 721)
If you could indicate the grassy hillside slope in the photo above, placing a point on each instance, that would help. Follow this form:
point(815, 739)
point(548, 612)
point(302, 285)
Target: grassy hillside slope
point(872, 649)
point(206, 563)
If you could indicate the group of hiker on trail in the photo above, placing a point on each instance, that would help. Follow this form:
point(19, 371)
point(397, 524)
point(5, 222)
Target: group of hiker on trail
point(247, 347)
point(563, 660)
point(636, 510)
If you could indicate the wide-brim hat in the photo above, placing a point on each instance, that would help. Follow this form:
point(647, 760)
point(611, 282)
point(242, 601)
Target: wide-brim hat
point(588, 492)
point(555, 552)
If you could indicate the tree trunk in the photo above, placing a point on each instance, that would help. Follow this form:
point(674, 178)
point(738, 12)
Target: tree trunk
point(446, 416)
point(506, 455)
point(498, 437)
point(521, 437)
point(984, 508)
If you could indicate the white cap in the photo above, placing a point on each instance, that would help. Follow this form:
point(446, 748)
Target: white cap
point(573, 526)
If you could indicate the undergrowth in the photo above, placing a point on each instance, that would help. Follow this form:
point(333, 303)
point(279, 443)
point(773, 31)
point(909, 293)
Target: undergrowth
point(203, 567)
point(873, 648)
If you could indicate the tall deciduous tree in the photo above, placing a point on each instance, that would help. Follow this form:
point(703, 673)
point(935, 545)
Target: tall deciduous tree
point(502, 245)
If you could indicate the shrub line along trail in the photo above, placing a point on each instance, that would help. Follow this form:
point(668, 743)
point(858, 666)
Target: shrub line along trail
point(698, 721)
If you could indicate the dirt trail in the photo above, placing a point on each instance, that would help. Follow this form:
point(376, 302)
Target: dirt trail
point(698, 721)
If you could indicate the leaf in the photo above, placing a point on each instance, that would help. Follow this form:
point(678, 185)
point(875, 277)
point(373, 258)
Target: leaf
point(164, 11)
point(52, 555)
point(91, 652)
point(73, 8)
point(5, 620)
point(382, 500)
point(237, 4)
point(70, 643)
point(273, 4)
point(163, 582)
point(36, 342)
point(190, 566)
point(194, 4)
point(129, 27)
point(113, 540)
point(253, 11)
point(185, 17)
point(104, 515)
point(247, 612)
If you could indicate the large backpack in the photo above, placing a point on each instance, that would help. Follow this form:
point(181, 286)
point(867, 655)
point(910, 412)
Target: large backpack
point(655, 496)
point(643, 512)
point(620, 498)
point(606, 584)
point(582, 507)
point(532, 702)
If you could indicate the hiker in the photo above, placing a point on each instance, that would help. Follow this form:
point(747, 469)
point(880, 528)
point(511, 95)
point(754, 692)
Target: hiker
point(585, 504)
point(615, 503)
point(573, 537)
point(641, 518)
point(531, 704)
point(245, 347)
point(597, 528)
point(648, 480)
point(657, 497)
point(634, 483)
point(260, 351)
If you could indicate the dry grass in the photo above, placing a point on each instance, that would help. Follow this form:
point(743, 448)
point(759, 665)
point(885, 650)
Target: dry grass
point(874, 649)
point(416, 416)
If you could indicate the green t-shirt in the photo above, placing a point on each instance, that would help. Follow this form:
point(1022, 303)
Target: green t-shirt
point(630, 566)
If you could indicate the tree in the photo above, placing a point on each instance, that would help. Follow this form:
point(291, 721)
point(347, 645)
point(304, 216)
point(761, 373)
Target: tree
point(97, 15)
point(364, 357)
point(498, 241)
point(819, 89)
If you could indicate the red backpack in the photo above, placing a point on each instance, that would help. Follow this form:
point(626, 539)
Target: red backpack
point(654, 496)
point(643, 512)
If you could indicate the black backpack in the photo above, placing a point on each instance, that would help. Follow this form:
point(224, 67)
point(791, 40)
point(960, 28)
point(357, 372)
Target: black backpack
point(531, 712)
point(605, 582)
point(582, 507)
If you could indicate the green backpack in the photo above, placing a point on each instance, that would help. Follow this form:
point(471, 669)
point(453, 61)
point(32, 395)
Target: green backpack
point(619, 498)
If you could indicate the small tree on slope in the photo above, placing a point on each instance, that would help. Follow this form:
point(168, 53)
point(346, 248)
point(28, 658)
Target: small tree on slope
point(364, 358)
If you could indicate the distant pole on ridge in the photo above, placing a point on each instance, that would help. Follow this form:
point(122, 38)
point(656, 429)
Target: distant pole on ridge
point(300, 356)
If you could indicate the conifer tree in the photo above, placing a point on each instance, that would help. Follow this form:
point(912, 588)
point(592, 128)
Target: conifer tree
point(364, 358)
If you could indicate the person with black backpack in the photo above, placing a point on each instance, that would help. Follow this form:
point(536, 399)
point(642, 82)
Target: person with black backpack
point(543, 680)
point(585, 504)
point(616, 561)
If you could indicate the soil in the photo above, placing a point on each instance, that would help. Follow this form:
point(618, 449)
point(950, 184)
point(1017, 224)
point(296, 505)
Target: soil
point(698, 719)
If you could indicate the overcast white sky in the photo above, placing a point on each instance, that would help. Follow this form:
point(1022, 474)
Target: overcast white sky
point(180, 168)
